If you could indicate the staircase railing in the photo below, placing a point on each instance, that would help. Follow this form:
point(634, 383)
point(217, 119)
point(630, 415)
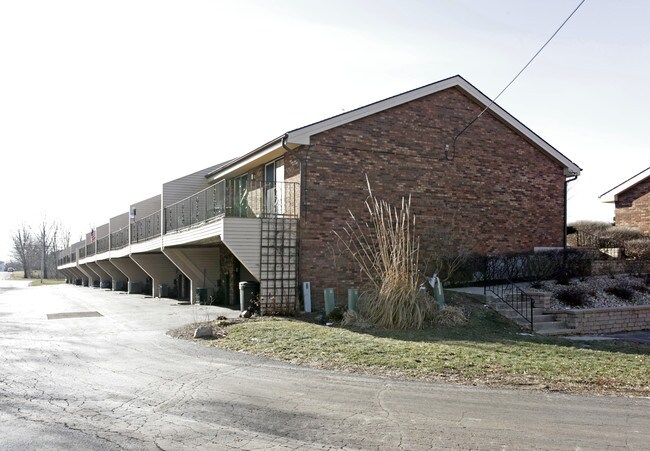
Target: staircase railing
point(516, 298)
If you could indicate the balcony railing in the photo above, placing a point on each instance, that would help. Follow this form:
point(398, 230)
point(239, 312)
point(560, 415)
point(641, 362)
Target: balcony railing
point(103, 244)
point(66, 259)
point(146, 228)
point(120, 238)
point(232, 198)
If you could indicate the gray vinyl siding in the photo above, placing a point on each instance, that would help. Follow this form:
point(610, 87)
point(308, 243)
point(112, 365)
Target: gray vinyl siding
point(152, 245)
point(207, 231)
point(199, 264)
point(102, 231)
point(146, 207)
point(118, 222)
point(243, 236)
point(181, 188)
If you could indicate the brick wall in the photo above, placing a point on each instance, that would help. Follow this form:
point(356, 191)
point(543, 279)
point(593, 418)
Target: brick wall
point(607, 320)
point(633, 207)
point(499, 193)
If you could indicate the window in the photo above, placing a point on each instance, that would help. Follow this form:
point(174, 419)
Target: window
point(274, 187)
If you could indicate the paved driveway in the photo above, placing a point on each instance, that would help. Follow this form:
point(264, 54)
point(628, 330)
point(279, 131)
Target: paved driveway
point(116, 381)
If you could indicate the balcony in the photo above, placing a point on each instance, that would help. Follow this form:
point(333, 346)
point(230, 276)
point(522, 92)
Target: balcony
point(90, 249)
point(120, 239)
point(146, 228)
point(232, 198)
point(103, 244)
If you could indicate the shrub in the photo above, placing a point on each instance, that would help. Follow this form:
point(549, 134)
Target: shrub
point(638, 249)
point(336, 315)
point(450, 315)
point(620, 234)
point(573, 296)
point(591, 227)
point(355, 319)
point(622, 291)
point(537, 266)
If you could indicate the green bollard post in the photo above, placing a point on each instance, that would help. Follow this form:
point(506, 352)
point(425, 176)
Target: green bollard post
point(330, 304)
point(353, 299)
point(439, 294)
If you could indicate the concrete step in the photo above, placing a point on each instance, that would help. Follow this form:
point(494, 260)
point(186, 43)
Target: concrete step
point(547, 327)
point(557, 332)
point(544, 318)
point(544, 324)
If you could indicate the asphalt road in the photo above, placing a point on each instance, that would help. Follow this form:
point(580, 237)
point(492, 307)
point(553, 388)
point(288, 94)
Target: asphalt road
point(116, 381)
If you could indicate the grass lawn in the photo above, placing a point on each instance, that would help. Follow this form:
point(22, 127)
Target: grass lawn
point(39, 282)
point(19, 275)
point(487, 350)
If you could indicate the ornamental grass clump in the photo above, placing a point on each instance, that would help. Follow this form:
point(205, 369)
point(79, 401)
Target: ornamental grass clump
point(387, 252)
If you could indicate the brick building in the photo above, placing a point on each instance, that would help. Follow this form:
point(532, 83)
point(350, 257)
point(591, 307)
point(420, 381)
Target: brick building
point(631, 201)
point(269, 215)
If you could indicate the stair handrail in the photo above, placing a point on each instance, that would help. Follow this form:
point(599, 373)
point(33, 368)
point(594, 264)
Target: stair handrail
point(514, 297)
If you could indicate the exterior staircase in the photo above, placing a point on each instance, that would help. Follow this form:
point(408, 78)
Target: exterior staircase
point(542, 323)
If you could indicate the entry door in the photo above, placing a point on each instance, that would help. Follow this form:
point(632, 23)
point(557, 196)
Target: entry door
point(274, 186)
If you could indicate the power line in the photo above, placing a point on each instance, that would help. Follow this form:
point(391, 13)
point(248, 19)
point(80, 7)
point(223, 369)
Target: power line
point(453, 155)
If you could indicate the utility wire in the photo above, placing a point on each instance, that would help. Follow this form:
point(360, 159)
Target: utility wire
point(453, 155)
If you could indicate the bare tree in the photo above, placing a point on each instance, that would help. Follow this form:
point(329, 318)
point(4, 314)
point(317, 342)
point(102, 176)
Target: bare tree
point(23, 248)
point(46, 240)
point(60, 240)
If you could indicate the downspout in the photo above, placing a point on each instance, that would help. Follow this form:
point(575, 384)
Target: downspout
point(566, 190)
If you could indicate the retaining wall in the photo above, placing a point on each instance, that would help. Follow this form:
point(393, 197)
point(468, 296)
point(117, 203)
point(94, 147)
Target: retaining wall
point(607, 267)
point(605, 320)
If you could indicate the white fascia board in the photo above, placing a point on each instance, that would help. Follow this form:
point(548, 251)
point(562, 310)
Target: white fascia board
point(611, 195)
point(302, 136)
point(252, 160)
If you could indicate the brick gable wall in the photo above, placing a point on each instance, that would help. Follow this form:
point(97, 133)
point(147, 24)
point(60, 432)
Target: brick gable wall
point(633, 207)
point(499, 194)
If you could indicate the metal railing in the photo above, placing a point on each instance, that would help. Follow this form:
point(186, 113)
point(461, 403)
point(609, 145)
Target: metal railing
point(146, 228)
point(103, 244)
point(120, 238)
point(513, 296)
point(197, 208)
point(66, 259)
point(232, 198)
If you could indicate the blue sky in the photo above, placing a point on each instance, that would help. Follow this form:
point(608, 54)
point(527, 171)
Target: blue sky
point(132, 94)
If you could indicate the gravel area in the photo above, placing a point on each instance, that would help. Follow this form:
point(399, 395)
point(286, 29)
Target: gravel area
point(599, 291)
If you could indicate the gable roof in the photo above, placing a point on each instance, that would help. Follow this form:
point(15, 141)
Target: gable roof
point(610, 196)
point(302, 135)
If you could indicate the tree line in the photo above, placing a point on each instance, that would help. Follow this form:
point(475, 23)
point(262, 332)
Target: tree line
point(35, 248)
